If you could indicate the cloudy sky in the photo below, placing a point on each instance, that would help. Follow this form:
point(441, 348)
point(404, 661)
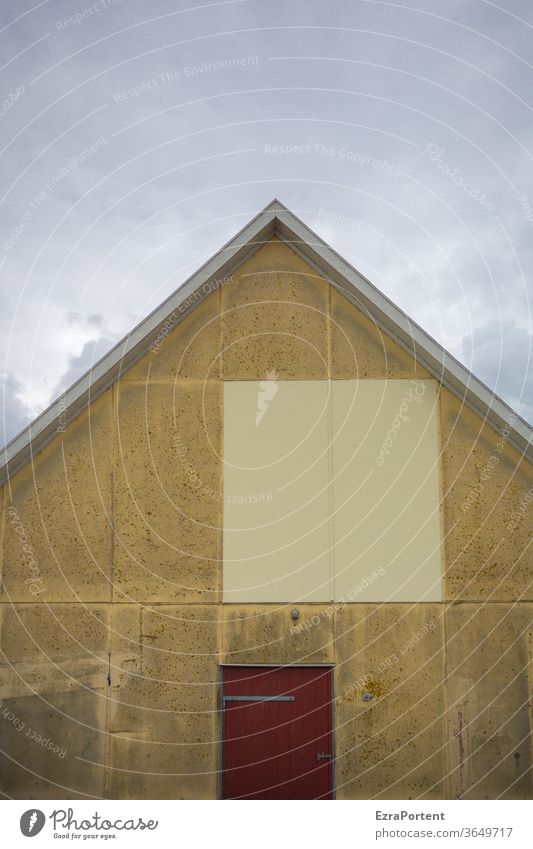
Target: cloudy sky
point(138, 137)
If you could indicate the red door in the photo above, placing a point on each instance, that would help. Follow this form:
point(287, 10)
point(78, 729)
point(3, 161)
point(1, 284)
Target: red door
point(277, 733)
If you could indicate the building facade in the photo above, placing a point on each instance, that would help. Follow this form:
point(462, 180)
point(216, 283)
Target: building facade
point(276, 543)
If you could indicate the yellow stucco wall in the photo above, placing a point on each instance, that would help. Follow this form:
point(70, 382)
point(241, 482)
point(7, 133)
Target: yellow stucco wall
point(112, 623)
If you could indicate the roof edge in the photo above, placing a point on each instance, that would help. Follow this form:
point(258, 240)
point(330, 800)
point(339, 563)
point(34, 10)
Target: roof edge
point(407, 333)
point(277, 219)
point(136, 343)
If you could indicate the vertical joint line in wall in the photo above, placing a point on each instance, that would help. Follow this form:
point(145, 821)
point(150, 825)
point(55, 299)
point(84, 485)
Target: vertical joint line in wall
point(107, 773)
point(114, 424)
point(221, 334)
point(529, 649)
point(331, 505)
point(220, 583)
point(221, 484)
point(447, 735)
point(331, 500)
point(329, 353)
point(440, 476)
point(114, 395)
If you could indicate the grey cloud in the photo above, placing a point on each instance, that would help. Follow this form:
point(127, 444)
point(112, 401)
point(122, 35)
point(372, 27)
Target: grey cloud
point(14, 410)
point(90, 354)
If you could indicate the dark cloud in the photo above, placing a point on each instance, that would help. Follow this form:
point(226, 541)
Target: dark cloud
point(13, 409)
point(91, 352)
point(16, 413)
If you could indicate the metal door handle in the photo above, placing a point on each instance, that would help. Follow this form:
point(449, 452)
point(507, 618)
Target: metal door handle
point(323, 756)
point(258, 698)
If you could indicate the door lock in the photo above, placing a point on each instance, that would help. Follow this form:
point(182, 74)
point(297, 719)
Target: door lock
point(323, 756)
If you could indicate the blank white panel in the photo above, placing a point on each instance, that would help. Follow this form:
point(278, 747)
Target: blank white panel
point(386, 490)
point(277, 500)
point(335, 481)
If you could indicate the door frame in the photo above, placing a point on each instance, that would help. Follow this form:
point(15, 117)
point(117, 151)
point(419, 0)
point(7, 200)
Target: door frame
point(220, 715)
